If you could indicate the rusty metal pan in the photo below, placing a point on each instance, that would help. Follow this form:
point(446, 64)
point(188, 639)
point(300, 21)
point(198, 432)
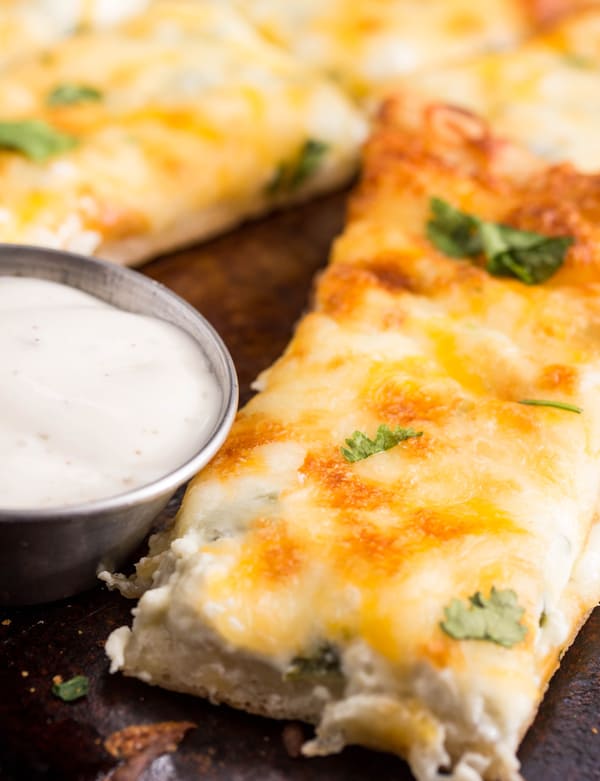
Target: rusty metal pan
point(253, 285)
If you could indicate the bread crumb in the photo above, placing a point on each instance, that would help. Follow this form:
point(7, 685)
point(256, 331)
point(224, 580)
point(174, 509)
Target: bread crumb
point(151, 739)
point(293, 738)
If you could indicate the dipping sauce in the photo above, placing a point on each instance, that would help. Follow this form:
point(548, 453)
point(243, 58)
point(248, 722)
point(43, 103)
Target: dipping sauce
point(94, 400)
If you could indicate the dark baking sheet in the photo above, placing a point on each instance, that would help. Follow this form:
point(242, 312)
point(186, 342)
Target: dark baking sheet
point(253, 285)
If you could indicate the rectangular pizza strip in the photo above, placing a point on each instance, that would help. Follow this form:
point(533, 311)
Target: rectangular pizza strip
point(543, 93)
point(191, 124)
point(399, 538)
point(368, 44)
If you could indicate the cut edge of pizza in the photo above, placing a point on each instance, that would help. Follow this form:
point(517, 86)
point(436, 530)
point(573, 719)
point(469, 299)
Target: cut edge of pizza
point(400, 538)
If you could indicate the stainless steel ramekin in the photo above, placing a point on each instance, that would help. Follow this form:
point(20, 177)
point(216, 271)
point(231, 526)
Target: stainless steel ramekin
point(54, 553)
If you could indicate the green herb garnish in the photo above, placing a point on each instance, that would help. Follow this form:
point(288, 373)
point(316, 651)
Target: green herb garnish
point(577, 61)
point(549, 403)
point(528, 256)
point(68, 94)
point(453, 232)
point(360, 446)
point(291, 175)
point(496, 619)
point(35, 139)
point(324, 662)
point(73, 689)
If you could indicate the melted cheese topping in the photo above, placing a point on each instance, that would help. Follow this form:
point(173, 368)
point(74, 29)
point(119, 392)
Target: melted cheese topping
point(369, 43)
point(282, 545)
point(196, 117)
point(27, 25)
point(543, 94)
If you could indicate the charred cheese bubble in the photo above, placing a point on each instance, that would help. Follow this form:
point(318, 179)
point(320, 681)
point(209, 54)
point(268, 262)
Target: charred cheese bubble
point(542, 94)
point(416, 599)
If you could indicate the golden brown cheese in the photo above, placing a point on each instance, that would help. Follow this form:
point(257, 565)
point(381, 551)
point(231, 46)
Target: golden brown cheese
point(542, 94)
point(195, 119)
point(285, 552)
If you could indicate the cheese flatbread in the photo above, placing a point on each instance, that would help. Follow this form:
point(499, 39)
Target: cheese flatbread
point(368, 44)
point(191, 123)
point(199, 117)
point(399, 538)
point(543, 93)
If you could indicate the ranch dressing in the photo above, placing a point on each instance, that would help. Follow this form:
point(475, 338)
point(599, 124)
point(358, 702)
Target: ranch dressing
point(94, 401)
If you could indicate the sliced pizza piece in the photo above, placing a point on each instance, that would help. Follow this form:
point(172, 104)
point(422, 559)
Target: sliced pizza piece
point(543, 94)
point(399, 538)
point(29, 25)
point(368, 44)
point(191, 124)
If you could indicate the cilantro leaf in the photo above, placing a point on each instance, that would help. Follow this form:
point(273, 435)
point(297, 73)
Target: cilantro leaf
point(360, 446)
point(35, 139)
point(308, 161)
point(496, 618)
point(73, 689)
point(68, 93)
point(527, 256)
point(291, 175)
point(551, 403)
point(324, 662)
point(577, 60)
point(452, 231)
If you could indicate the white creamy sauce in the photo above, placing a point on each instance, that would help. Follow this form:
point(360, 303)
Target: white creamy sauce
point(94, 401)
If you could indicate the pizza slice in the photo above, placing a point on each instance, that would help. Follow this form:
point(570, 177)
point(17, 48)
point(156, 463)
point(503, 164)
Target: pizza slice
point(400, 537)
point(29, 25)
point(543, 93)
point(369, 44)
point(163, 130)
